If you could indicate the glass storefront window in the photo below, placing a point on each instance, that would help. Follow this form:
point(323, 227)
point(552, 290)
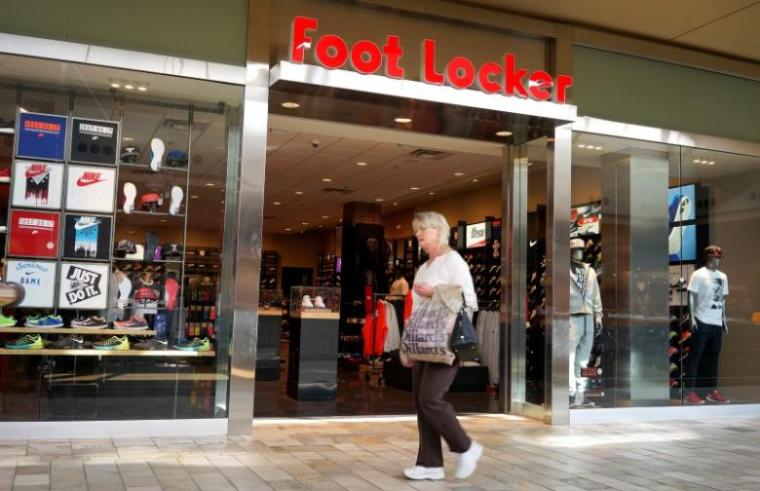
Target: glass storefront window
point(114, 201)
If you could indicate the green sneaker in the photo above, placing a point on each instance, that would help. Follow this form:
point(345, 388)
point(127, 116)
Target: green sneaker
point(197, 344)
point(114, 343)
point(28, 341)
point(7, 321)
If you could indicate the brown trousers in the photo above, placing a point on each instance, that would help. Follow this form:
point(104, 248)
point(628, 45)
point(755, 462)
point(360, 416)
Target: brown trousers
point(435, 417)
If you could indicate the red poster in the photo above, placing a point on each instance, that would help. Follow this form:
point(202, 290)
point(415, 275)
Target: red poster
point(33, 233)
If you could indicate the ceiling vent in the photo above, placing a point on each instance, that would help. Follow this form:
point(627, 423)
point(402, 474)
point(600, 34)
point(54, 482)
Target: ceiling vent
point(427, 155)
point(181, 125)
point(338, 190)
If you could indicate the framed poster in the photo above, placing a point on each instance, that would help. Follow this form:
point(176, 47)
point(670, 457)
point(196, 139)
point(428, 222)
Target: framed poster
point(475, 235)
point(83, 286)
point(33, 233)
point(41, 136)
point(682, 203)
point(38, 280)
point(87, 236)
point(94, 141)
point(37, 185)
point(90, 188)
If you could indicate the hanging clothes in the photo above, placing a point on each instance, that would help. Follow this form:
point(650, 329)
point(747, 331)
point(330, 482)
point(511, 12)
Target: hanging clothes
point(375, 330)
point(487, 329)
point(408, 305)
point(393, 336)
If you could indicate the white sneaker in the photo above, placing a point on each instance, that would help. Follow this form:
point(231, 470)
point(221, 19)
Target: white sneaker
point(319, 303)
point(306, 303)
point(130, 193)
point(157, 149)
point(176, 202)
point(418, 473)
point(468, 461)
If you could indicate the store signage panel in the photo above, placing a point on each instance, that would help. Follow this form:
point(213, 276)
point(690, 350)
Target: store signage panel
point(476, 235)
point(37, 184)
point(33, 233)
point(503, 77)
point(87, 237)
point(41, 136)
point(83, 286)
point(94, 141)
point(90, 188)
point(38, 280)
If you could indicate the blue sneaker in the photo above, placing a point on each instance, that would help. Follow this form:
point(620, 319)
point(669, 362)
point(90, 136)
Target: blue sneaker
point(47, 321)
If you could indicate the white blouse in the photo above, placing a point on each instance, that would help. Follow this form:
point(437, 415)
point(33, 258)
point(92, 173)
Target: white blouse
point(448, 269)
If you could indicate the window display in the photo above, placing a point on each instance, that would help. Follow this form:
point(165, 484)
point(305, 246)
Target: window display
point(94, 141)
point(90, 188)
point(41, 136)
point(37, 185)
point(33, 233)
point(87, 237)
point(83, 286)
point(38, 279)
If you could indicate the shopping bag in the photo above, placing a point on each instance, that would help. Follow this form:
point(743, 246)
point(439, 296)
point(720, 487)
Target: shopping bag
point(427, 333)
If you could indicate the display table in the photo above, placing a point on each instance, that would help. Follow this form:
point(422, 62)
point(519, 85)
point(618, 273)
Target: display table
point(268, 345)
point(313, 355)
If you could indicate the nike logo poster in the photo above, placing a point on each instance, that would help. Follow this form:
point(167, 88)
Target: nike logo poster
point(94, 142)
point(83, 286)
point(87, 236)
point(37, 184)
point(90, 188)
point(38, 280)
point(41, 136)
point(33, 233)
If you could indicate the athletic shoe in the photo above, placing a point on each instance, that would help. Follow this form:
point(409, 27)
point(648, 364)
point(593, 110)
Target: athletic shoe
point(114, 343)
point(157, 149)
point(176, 202)
point(672, 350)
point(152, 344)
point(685, 336)
point(306, 302)
point(693, 398)
point(176, 158)
point(28, 341)
point(47, 321)
point(319, 303)
point(7, 321)
point(717, 398)
point(92, 322)
point(130, 194)
point(5, 175)
point(468, 461)
point(419, 473)
point(68, 342)
point(197, 344)
point(134, 322)
point(673, 367)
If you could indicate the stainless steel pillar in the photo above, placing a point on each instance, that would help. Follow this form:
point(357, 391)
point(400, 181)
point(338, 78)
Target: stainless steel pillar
point(249, 219)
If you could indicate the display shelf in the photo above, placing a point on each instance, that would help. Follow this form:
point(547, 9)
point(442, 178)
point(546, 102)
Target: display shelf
point(147, 168)
point(95, 352)
point(163, 214)
point(162, 261)
point(78, 330)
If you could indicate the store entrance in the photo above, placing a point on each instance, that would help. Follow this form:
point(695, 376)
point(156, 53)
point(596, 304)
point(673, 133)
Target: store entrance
point(346, 172)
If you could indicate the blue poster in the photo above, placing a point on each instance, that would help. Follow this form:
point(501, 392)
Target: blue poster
point(682, 203)
point(41, 136)
point(682, 243)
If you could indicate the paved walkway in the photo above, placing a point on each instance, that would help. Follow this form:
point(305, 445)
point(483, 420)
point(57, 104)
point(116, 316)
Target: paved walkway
point(520, 455)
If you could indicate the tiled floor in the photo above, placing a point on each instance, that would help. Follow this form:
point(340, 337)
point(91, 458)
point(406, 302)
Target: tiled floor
point(369, 455)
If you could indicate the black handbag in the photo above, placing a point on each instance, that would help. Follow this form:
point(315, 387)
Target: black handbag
point(464, 341)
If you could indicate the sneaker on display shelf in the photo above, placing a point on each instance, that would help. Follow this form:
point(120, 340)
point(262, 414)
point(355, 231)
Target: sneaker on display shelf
point(152, 344)
point(130, 194)
point(68, 342)
point(134, 322)
point(319, 303)
point(28, 341)
point(114, 343)
point(7, 321)
point(92, 322)
point(49, 321)
point(197, 344)
point(306, 302)
point(176, 194)
point(157, 149)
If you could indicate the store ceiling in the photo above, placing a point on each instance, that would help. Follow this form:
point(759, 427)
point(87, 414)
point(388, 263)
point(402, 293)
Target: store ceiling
point(729, 26)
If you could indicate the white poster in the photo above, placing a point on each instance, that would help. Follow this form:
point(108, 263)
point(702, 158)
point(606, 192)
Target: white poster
point(83, 286)
point(37, 278)
point(37, 184)
point(90, 188)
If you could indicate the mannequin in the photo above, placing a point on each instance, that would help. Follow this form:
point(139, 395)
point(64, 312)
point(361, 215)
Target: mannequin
point(708, 288)
point(585, 318)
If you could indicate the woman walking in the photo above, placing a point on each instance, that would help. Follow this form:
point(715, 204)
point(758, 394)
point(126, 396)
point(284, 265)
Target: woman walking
point(436, 417)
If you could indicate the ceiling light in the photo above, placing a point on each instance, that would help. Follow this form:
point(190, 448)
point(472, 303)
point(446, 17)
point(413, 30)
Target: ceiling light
point(288, 229)
point(163, 220)
point(431, 193)
point(210, 184)
point(395, 203)
point(379, 200)
point(475, 180)
point(704, 161)
point(195, 196)
point(581, 145)
point(304, 223)
point(414, 189)
point(276, 203)
point(696, 161)
point(403, 120)
point(326, 179)
point(503, 133)
point(712, 162)
point(129, 86)
point(458, 174)
point(325, 217)
point(115, 85)
point(128, 139)
point(597, 148)
point(321, 226)
point(398, 227)
point(299, 193)
point(142, 88)
point(362, 164)
point(290, 105)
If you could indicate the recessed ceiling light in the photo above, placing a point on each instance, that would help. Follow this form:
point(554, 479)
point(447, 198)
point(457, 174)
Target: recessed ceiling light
point(142, 88)
point(128, 139)
point(503, 133)
point(597, 148)
point(290, 105)
point(696, 161)
point(458, 174)
point(115, 85)
point(304, 223)
point(712, 162)
point(276, 203)
point(288, 229)
point(195, 196)
point(398, 227)
point(475, 180)
point(403, 120)
point(299, 193)
point(321, 226)
point(414, 188)
point(362, 164)
point(431, 193)
point(131, 232)
point(395, 203)
point(163, 220)
point(581, 145)
point(210, 184)
point(379, 200)
point(704, 161)
point(325, 217)
point(326, 179)
point(129, 86)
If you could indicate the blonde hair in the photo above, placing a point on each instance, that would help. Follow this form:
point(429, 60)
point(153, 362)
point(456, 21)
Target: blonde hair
point(432, 219)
